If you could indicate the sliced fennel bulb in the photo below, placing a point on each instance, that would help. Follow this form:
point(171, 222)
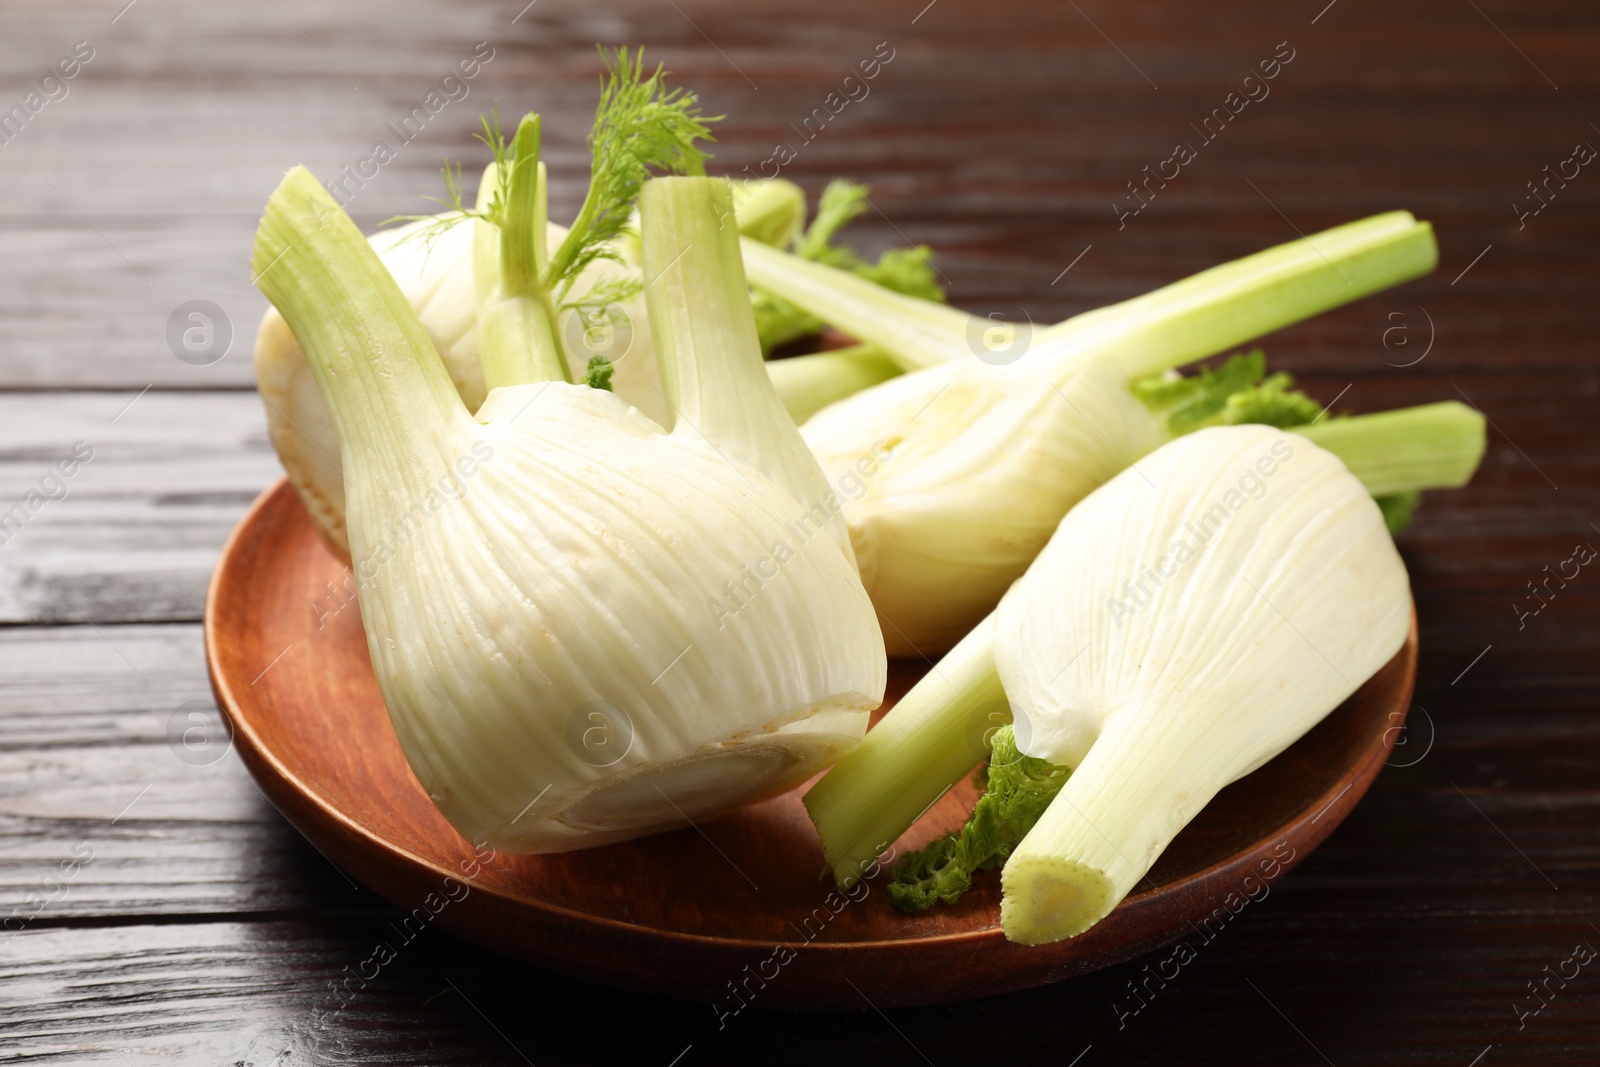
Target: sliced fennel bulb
point(986, 455)
point(1264, 613)
point(938, 731)
point(576, 561)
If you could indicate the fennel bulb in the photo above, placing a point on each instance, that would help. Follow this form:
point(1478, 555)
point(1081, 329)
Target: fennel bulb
point(465, 279)
point(940, 730)
point(986, 454)
point(436, 271)
point(437, 280)
point(979, 463)
point(1224, 606)
point(559, 563)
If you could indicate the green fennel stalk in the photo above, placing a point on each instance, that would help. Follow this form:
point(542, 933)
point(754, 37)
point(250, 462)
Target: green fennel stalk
point(1199, 316)
point(907, 271)
point(518, 340)
point(812, 382)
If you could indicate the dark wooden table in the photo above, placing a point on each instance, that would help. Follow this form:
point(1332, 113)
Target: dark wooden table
point(166, 913)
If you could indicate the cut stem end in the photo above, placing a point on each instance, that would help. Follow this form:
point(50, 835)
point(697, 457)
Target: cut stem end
point(1048, 899)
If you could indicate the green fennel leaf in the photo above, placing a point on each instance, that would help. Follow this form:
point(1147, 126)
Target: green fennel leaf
point(1239, 391)
point(841, 202)
point(607, 293)
point(599, 373)
point(1273, 402)
point(1019, 790)
point(905, 270)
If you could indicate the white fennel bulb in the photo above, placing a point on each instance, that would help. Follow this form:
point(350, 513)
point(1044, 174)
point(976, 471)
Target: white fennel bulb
point(436, 273)
point(940, 730)
point(1003, 429)
point(437, 279)
point(968, 470)
point(1188, 621)
point(561, 565)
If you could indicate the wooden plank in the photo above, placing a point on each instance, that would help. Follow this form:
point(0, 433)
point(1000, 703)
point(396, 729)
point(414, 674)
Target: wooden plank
point(222, 992)
point(141, 523)
point(102, 761)
point(200, 125)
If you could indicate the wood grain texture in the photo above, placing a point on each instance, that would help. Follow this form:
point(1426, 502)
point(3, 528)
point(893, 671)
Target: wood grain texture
point(132, 535)
point(1029, 121)
point(1000, 134)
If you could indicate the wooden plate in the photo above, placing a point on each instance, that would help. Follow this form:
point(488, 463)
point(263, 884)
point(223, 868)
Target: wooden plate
point(736, 911)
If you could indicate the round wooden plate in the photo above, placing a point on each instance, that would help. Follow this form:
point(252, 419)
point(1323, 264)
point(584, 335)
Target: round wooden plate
point(736, 911)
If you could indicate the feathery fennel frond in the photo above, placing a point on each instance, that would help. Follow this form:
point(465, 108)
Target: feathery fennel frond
point(457, 198)
point(640, 125)
point(607, 293)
